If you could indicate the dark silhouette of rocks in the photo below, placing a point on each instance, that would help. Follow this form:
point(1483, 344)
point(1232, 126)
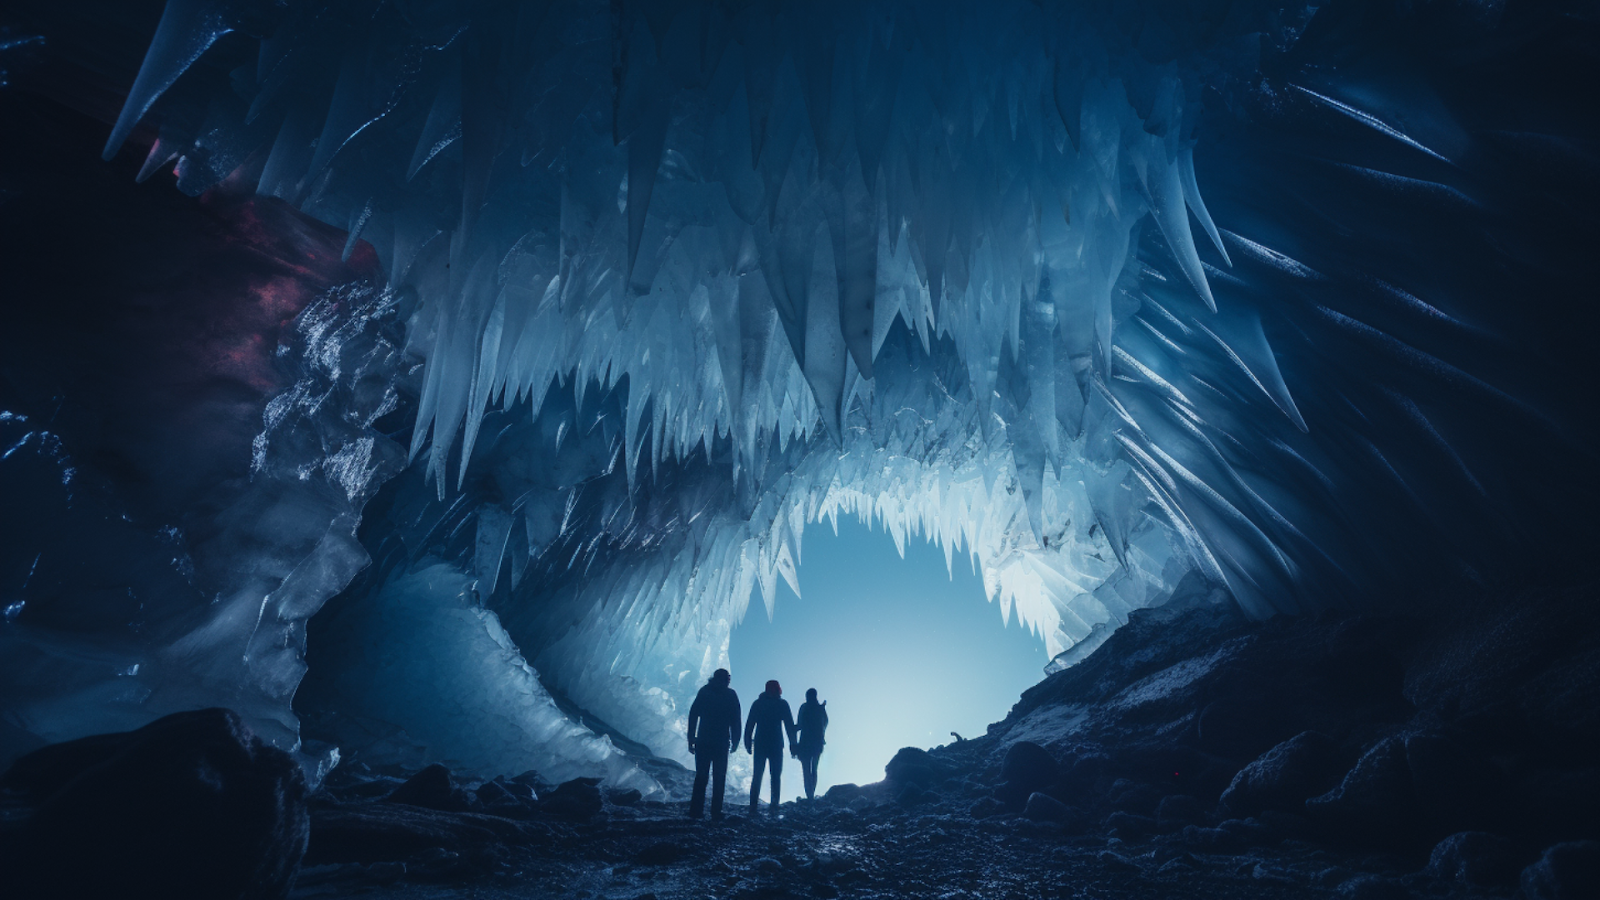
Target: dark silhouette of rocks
point(191, 805)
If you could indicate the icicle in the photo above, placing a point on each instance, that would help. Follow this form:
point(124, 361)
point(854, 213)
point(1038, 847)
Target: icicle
point(187, 29)
point(853, 225)
point(1368, 120)
point(825, 354)
point(1266, 362)
point(644, 158)
point(357, 223)
point(442, 127)
point(1191, 195)
point(483, 379)
point(494, 532)
point(162, 152)
point(1165, 194)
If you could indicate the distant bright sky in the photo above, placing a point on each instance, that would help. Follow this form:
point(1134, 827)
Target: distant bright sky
point(903, 654)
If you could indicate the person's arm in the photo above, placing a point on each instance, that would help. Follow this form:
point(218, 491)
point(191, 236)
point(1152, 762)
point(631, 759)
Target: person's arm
point(788, 724)
point(734, 723)
point(694, 721)
point(750, 726)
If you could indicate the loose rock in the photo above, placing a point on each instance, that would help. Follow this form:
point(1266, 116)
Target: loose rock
point(1474, 858)
point(432, 788)
point(1569, 871)
point(191, 805)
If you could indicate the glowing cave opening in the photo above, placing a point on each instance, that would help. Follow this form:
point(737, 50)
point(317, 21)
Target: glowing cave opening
point(904, 651)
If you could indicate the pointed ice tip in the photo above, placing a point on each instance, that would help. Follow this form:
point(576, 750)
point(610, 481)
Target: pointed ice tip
point(1197, 206)
point(187, 29)
point(1372, 122)
point(1203, 286)
point(161, 153)
point(1169, 204)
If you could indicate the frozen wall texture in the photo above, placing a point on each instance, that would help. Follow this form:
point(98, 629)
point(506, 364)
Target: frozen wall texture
point(1101, 295)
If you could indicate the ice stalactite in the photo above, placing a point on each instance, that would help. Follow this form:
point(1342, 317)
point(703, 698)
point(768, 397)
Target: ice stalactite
point(1097, 295)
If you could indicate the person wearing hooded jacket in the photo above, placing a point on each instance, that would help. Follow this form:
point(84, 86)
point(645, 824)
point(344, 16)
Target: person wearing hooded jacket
point(769, 723)
point(811, 724)
point(713, 734)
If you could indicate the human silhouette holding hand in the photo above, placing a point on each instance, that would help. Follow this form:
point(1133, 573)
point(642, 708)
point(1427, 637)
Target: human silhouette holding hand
point(812, 725)
point(713, 734)
point(769, 723)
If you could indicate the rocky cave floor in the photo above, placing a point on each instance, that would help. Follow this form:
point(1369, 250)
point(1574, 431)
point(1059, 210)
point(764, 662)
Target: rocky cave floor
point(931, 845)
point(1194, 754)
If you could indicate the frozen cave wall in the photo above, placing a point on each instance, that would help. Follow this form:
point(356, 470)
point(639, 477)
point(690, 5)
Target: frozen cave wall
point(178, 498)
point(659, 284)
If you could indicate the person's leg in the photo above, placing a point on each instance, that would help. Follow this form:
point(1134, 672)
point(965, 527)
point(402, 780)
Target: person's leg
point(777, 777)
point(697, 799)
point(719, 779)
point(808, 770)
point(755, 783)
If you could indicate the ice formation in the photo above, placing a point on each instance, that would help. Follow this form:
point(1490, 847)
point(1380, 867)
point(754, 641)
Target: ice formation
point(683, 278)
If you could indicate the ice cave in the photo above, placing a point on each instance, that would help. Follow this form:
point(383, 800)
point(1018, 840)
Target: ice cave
point(404, 405)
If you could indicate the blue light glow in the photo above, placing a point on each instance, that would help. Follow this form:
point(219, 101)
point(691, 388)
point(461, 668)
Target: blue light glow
point(903, 653)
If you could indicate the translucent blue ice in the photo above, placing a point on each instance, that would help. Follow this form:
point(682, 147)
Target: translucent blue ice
point(685, 277)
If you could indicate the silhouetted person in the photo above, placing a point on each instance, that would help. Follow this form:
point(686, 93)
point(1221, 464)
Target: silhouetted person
point(769, 723)
point(812, 724)
point(713, 734)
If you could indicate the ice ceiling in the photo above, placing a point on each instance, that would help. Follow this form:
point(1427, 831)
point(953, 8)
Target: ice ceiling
point(1226, 298)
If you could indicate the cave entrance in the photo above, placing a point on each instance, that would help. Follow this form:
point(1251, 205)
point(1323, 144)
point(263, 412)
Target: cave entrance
point(905, 651)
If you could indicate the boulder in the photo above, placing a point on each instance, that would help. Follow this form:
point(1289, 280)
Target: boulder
point(624, 796)
point(842, 794)
point(1565, 872)
point(491, 792)
point(519, 790)
point(1045, 808)
point(1374, 803)
point(575, 799)
point(498, 801)
point(191, 805)
point(986, 807)
point(1029, 767)
point(431, 788)
point(912, 765)
point(1282, 778)
point(1474, 859)
point(532, 781)
point(1135, 797)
